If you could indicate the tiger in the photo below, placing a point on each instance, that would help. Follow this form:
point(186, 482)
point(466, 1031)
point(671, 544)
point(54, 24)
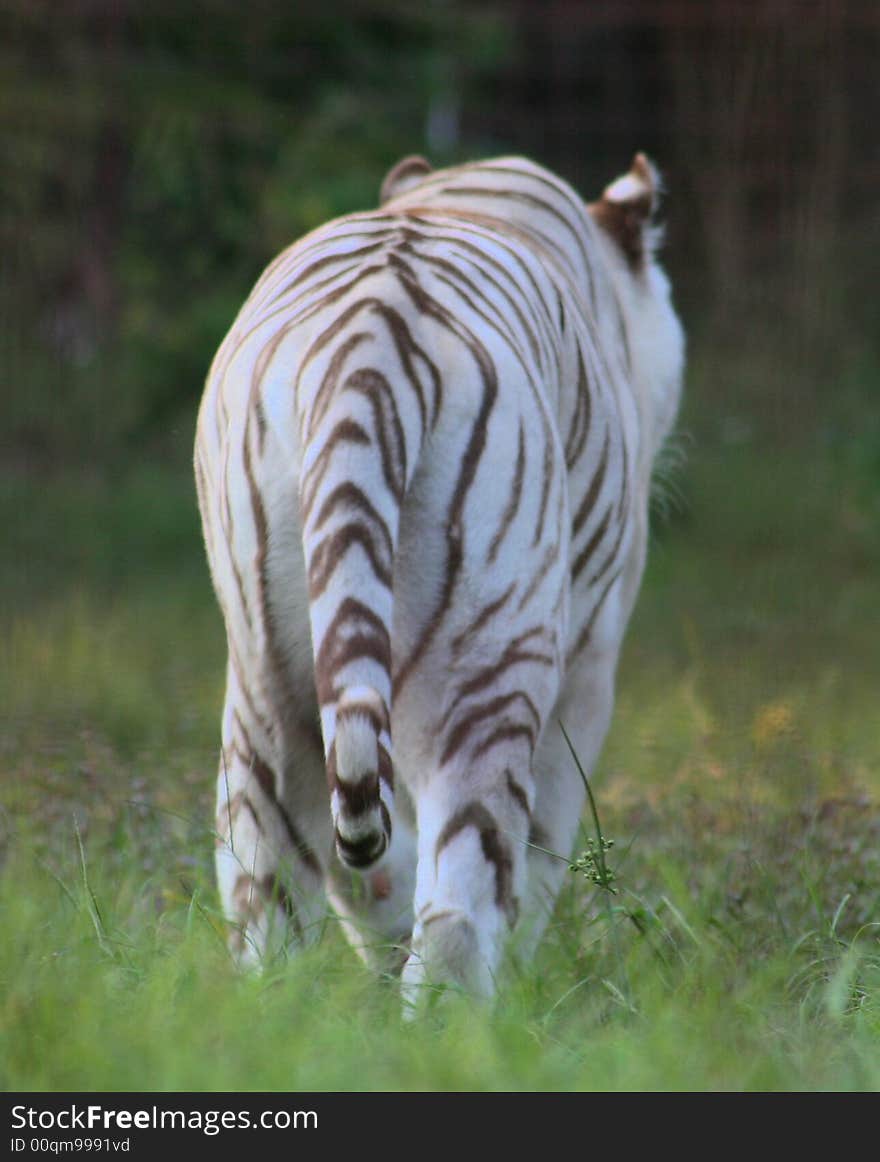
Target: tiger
point(423, 461)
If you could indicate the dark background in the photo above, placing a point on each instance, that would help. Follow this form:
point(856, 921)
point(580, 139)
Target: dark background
point(156, 155)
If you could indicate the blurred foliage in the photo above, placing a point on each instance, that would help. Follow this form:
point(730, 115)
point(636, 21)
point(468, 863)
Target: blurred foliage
point(157, 156)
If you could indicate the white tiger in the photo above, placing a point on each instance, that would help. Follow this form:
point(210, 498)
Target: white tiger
point(423, 462)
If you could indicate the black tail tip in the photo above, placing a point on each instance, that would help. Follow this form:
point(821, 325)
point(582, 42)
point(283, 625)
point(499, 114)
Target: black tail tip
point(364, 852)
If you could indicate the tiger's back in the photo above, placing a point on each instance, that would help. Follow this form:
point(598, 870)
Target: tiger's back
point(423, 457)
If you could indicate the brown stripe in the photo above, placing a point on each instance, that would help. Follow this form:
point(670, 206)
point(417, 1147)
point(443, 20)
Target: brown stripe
point(517, 792)
point(470, 721)
point(512, 506)
point(203, 498)
point(359, 797)
point(261, 424)
point(584, 635)
point(267, 782)
point(261, 366)
point(367, 638)
point(514, 654)
point(228, 815)
point(276, 662)
point(325, 558)
point(624, 490)
point(480, 620)
point(597, 576)
point(275, 891)
point(330, 767)
point(498, 324)
point(304, 308)
point(485, 229)
point(494, 848)
point(446, 914)
point(308, 728)
point(225, 818)
point(347, 431)
point(582, 419)
point(252, 811)
point(226, 527)
point(332, 375)
point(584, 555)
point(248, 897)
point(332, 260)
point(560, 308)
point(267, 727)
point(386, 767)
point(265, 777)
point(239, 583)
point(327, 299)
point(590, 497)
point(550, 558)
point(546, 481)
point(321, 291)
point(377, 717)
point(506, 734)
point(456, 276)
point(384, 774)
point(251, 897)
point(405, 347)
point(525, 199)
point(300, 846)
point(473, 452)
point(578, 223)
point(378, 392)
point(538, 836)
point(385, 771)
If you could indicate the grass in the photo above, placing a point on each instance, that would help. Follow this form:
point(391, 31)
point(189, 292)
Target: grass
point(740, 784)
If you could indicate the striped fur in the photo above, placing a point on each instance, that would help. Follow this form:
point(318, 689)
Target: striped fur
point(423, 461)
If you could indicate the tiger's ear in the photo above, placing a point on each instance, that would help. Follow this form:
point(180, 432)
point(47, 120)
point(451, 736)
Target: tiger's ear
point(403, 176)
point(626, 207)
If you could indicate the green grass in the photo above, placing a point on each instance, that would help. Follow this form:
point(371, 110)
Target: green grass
point(740, 784)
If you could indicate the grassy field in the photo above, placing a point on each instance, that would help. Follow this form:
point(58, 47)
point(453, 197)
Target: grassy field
point(740, 783)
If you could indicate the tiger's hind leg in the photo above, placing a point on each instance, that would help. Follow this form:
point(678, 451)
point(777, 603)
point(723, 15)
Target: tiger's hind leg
point(471, 875)
point(584, 709)
point(270, 869)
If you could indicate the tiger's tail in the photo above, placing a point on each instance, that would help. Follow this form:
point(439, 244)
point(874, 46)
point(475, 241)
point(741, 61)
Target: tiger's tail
point(361, 442)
